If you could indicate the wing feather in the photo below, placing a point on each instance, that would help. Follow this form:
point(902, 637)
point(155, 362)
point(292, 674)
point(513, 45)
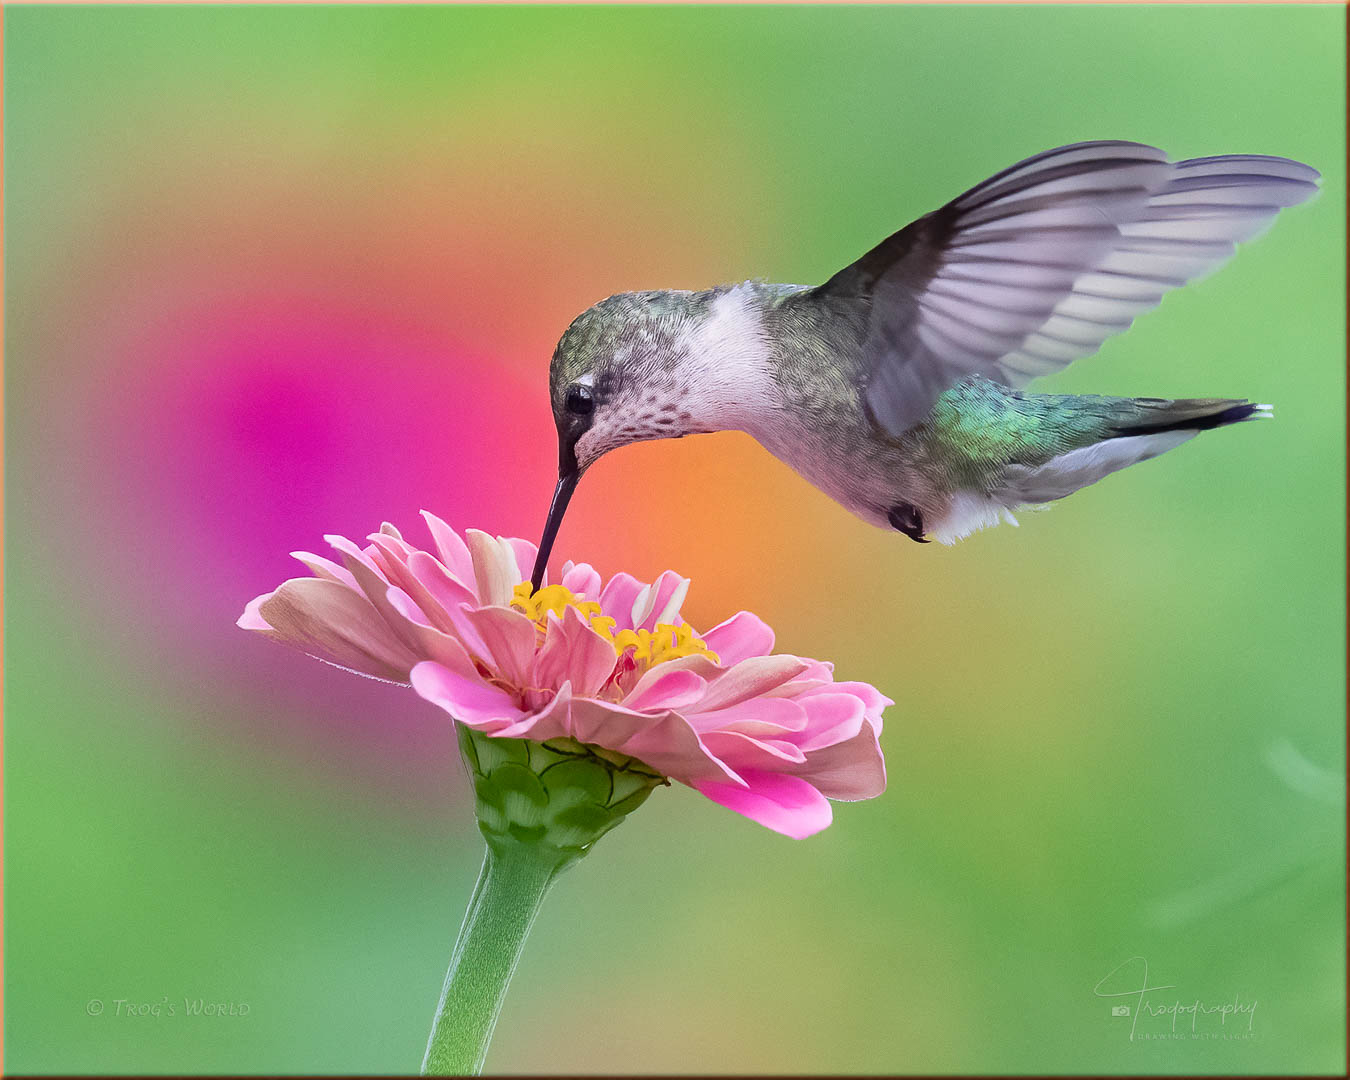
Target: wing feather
point(1038, 265)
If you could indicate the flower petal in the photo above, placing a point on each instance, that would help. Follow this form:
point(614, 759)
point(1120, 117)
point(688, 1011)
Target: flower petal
point(573, 652)
point(616, 599)
point(772, 716)
point(831, 718)
point(550, 722)
point(750, 678)
point(510, 639)
point(699, 664)
point(642, 606)
point(741, 751)
point(251, 619)
point(432, 643)
point(660, 602)
point(524, 552)
point(469, 700)
point(325, 568)
point(406, 606)
point(664, 687)
point(336, 624)
point(394, 558)
point(454, 552)
point(664, 741)
point(495, 573)
point(874, 701)
point(742, 636)
point(786, 804)
point(375, 586)
point(850, 770)
point(349, 551)
point(448, 594)
point(582, 580)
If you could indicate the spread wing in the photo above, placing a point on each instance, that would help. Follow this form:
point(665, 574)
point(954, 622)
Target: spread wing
point(1040, 264)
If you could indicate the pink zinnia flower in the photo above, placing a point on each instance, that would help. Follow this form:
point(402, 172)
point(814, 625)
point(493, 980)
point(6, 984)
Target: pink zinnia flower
point(608, 664)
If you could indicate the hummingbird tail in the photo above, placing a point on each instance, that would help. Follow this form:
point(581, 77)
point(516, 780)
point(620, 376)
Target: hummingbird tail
point(1152, 416)
point(1142, 428)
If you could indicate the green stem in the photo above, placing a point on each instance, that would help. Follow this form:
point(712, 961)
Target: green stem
point(511, 887)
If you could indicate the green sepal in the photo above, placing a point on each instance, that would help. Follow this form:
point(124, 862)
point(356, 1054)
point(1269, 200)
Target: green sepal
point(560, 795)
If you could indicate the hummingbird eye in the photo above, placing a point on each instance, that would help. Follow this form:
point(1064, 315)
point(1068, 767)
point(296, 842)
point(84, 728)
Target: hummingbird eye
point(579, 400)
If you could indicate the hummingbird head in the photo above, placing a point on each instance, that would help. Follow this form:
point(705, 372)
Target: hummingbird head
point(655, 365)
point(617, 377)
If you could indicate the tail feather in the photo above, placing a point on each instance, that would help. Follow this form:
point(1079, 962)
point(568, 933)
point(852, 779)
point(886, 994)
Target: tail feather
point(1131, 430)
point(1065, 474)
point(1152, 416)
point(1151, 427)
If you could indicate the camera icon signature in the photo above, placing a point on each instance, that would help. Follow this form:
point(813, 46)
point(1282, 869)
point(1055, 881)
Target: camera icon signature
point(1120, 1010)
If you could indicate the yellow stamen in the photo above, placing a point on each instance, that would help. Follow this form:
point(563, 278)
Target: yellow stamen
point(667, 642)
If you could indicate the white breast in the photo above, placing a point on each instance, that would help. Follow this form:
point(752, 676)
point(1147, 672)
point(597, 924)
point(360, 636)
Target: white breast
point(727, 367)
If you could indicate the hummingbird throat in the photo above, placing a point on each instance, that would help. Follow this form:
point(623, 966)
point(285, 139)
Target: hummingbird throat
point(644, 648)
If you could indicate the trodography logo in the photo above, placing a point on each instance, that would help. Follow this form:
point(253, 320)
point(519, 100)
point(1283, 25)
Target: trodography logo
point(1166, 1011)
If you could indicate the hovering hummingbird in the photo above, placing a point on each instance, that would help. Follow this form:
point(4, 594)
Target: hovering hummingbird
point(894, 387)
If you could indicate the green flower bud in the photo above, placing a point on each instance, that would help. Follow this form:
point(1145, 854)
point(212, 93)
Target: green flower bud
point(558, 794)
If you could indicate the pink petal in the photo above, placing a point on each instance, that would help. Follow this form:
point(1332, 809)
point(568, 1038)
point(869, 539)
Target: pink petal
point(698, 664)
point(389, 549)
point(741, 751)
point(582, 580)
point(510, 638)
point(406, 606)
point(447, 590)
point(742, 636)
point(874, 701)
point(832, 718)
point(448, 598)
point(375, 587)
point(573, 652)
point(336, 624)
point(757, 716)
point(394, 558)
point(663, 688)
point(432, 644)
point(453, 551)
point(659, 602)
point(550, 722)
point(815, 675)
point(494, 568)
point(325, 568)
point(849, 770)
point(350, 551)
point(471, 701)
point(663, 741)
point(524, 553)
point(251, 619)
point(616, 599)
point(785, 804)
point(750, 678)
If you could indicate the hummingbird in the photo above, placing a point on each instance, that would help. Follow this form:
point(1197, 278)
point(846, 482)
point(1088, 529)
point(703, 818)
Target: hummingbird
point(896, 387)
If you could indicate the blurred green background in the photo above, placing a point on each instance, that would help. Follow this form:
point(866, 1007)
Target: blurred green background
point(274, 272)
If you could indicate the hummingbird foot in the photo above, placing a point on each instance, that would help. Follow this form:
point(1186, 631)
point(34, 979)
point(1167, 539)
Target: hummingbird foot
point(908, 519)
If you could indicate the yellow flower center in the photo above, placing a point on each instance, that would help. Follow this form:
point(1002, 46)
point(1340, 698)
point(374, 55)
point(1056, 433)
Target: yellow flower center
point(667, 642)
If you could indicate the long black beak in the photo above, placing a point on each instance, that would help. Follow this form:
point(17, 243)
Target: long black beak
point(562, 495)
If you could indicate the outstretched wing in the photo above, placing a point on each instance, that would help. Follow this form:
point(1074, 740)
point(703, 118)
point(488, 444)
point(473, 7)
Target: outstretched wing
point(1040, 264)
